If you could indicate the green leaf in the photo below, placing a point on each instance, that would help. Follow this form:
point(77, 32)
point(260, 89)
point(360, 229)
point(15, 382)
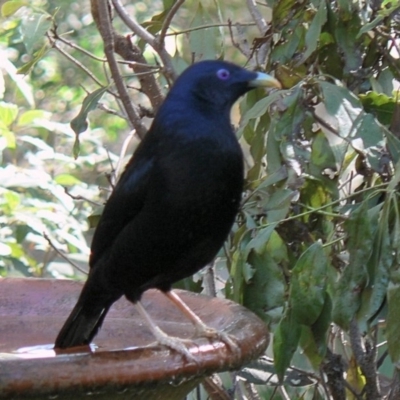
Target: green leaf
point(380, 105)
point(258, 110)
point(274, 158)
point(33, 29)
point(379, 265)
point(290, 121)
point(11, 7)
point(76, 147)
point(264, 293)
point(308, 285)
point(278, 204)
point(294, 37)
point(271, 179)
point(320, 327)
point(66, 180)
point(360, 232)
point(8, 113)
point(37, 56)
point(204, 43)
point(322, 155)
point(8, 137)
point(314, 30)
point(346, 32)
point(259, 241)
point(393, 323)
point(29, 117)
point(372, 138)
point(286, 340)
point(79, 123)
point(393, 144)
point(282, 8)
point(94, 218)
point(343, 105)
point(11, 200)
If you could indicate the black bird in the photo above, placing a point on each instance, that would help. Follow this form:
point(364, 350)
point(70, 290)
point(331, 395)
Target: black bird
point(174, 204)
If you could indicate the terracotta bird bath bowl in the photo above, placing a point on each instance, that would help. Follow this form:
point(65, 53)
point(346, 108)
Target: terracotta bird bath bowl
point(122, 363)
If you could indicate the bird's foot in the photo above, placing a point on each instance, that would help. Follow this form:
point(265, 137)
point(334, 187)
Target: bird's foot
point(203, 330)
point(175, 343)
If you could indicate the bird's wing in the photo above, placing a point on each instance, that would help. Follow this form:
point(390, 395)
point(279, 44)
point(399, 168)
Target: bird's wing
point(124, 204)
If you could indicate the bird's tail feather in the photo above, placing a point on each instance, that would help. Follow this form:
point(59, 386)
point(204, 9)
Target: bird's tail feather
point(85, 320)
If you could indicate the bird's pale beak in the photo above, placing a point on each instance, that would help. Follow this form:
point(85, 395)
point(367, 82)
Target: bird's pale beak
point(265, 80)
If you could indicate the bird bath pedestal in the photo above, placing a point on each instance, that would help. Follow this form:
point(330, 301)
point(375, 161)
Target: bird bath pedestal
point(122, 363)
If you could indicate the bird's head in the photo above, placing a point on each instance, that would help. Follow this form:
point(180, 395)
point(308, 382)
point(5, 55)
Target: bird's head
point(218, 84)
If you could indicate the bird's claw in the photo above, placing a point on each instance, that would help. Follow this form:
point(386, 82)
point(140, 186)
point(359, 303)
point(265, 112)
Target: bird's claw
point(176, 344)
point(214, 334)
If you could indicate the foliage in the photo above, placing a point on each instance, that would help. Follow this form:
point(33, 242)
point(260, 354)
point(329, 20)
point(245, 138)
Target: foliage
point(314, 251)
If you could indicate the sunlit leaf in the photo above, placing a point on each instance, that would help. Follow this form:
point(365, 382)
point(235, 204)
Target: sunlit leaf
point(204, 43)
point(37, 56)
point(379, 104)
point(8, 113)
point(5, 250)
point(355, 378)
point(66, 180)
point(343, 105)
point(11, 200)
point(29, 117)
point(34, 28)
point(11, 7)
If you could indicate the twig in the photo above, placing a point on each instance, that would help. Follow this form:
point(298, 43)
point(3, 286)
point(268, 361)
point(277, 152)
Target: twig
point(67, 192)
point(209, 281)
point(283, 392)
point(251, 391)
point(257, 17)
point(395, 386)
point(262, 27)
point(207, 26)
point(168, 20)
point(154, 68)
point(244, 50)
point(122, 153)
point(214, 388)
point(168, 69)
point(75, 46)
point(333, 368)
point(106, 31)
point(62, 255)
point(365, 356)
point(53, 43)
point(108, 110)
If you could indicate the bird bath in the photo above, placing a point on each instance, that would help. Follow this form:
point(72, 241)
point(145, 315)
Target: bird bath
point(122, 363)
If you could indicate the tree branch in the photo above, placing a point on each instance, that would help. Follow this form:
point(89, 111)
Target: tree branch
point(365, 356)
point(168, 19)
point(262, 27)
point(168, 69)
point(101, 15)
point(334, 370)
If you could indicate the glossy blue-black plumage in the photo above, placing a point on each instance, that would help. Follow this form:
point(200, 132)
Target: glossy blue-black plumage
point(175, 203)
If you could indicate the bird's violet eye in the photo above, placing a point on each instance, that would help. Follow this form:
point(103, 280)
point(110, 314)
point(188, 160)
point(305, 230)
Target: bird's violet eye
point(223, 74)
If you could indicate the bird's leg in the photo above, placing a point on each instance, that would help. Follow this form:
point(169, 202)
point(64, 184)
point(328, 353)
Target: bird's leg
point(201, 328)
point(162, 338)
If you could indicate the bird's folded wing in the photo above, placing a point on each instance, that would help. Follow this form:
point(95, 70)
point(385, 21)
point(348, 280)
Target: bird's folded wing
point(124, 204)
